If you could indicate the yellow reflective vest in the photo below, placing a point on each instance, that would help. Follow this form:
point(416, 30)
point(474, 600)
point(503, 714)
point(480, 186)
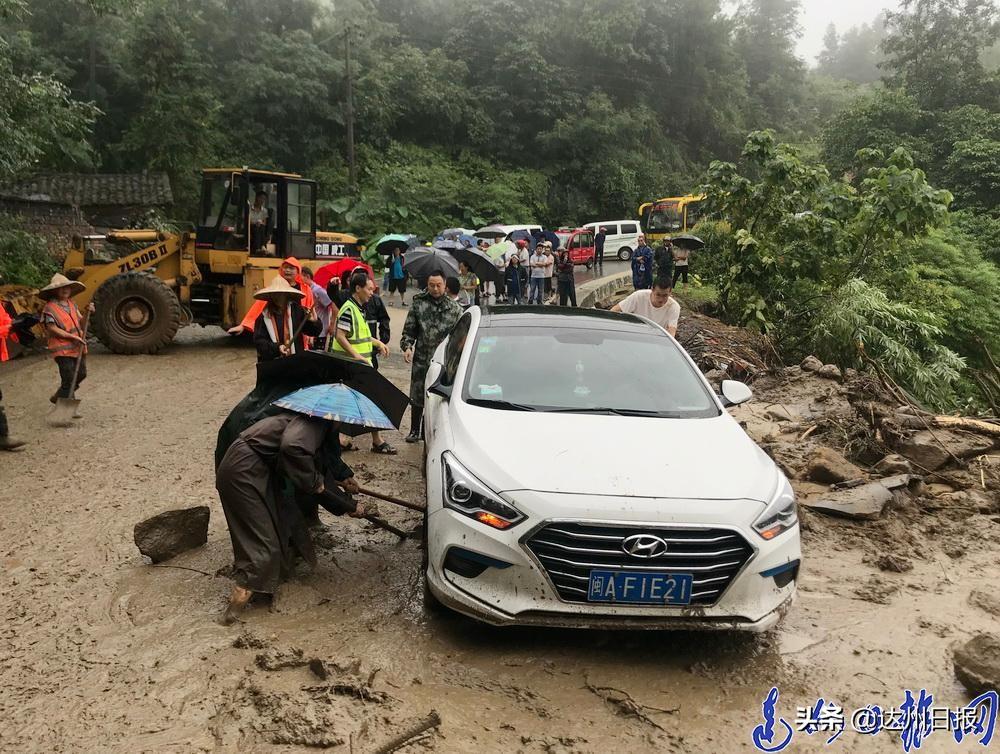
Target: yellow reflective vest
point(360, 336)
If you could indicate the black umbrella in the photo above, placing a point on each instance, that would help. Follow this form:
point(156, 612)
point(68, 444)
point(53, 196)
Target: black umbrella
point(319, 368)
point(421, 263)
point(481, 265)
point(278, 378)
point(448, 244)
point(688, 242)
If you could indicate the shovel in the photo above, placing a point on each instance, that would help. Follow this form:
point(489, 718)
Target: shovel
point(65, 411)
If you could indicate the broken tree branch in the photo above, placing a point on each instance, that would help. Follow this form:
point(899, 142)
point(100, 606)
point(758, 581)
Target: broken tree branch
point(433, 720)
point(626, 706)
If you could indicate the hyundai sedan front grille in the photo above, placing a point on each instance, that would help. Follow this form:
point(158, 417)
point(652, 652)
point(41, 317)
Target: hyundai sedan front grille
point(569, 551)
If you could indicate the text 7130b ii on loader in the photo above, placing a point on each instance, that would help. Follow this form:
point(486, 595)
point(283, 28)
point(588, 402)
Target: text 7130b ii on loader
point(146, 284)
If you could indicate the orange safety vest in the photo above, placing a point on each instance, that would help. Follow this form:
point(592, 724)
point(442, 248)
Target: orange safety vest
point(68, 321)
point(5, 323)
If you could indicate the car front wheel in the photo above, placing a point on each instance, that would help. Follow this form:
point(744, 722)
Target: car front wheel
point(624, 253)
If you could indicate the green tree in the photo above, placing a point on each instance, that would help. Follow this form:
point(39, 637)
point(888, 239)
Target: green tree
point(934, 50)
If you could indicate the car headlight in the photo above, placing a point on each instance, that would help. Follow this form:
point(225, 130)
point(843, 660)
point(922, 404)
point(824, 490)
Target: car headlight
point(470, 497)
point(780, 514)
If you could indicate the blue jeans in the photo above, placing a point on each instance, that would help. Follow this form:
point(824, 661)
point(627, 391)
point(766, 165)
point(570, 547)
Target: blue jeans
point(535, 290)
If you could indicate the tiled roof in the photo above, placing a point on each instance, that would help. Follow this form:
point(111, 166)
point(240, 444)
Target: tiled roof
point(93, 189)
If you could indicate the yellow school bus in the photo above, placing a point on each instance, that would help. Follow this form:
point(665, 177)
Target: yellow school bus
point(670, 216)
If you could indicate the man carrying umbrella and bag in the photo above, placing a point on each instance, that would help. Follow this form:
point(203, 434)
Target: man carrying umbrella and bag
point(299, 446)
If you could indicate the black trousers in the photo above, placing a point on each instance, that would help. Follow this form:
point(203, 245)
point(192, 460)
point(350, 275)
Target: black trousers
point(567, 289)
point(67, 364)
point(4, 428)
point(678, 272)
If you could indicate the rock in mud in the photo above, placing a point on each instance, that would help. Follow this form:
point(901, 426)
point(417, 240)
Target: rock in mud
point(830, 372)
point(894, 464)
point(985, 601)
point(863, 503)
point(932, 450)
point(170, 533)
point(811, 364)
point(779, 414)
point(829, 466)
point(894, 563)
point(877, 590)
point(977, 664)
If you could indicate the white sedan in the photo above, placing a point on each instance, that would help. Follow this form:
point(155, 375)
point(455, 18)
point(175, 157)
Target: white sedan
point(582, 472)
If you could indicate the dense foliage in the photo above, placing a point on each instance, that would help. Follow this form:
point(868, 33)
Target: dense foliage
point(561, 111)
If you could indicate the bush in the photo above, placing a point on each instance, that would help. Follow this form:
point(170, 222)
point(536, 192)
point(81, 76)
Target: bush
point(24, 257)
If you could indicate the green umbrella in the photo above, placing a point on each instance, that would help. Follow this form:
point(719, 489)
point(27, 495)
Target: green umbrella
point(497, 250)
point(386, 244)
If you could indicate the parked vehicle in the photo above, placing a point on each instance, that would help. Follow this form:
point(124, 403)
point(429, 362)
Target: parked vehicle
point(622, 237)
point(670, 216)
point(580, 471)
point(579, 242)
point(495, 233)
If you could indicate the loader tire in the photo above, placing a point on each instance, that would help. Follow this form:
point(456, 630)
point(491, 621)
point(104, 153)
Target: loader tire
point(136, 313)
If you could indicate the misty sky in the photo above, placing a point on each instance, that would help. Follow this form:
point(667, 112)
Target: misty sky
point(817, 14)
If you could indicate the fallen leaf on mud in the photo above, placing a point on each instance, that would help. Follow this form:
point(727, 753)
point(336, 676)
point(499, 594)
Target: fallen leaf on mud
point(276, 659)
point(248, 640)
point(877, 590)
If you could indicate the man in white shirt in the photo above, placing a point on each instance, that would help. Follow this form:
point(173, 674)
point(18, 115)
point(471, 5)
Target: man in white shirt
point(540, 265)
point(656, 305)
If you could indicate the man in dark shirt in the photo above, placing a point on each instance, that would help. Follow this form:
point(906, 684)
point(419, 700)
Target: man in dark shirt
point(564, 278)
point(599, 247)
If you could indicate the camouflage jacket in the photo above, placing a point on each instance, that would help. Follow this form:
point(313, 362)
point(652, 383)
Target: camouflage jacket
point(427, 324)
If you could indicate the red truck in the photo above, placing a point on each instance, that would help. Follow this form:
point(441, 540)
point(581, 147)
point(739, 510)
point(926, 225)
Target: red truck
point(579, 242)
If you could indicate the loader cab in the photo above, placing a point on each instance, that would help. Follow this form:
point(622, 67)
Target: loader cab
point(263, 213)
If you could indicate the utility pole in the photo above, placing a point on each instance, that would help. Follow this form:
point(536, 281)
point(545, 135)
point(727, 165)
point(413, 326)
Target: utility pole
point(352, 168)
point(92, 61)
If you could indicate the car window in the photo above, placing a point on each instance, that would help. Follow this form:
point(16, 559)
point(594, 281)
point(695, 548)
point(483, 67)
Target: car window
point(586, 239)
point(575, 243)
point(453, 351)
point(629, 228)
point(612, 230)
point(579, 369)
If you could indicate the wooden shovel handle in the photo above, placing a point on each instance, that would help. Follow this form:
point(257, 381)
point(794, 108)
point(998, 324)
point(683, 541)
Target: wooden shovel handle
point(391, 499)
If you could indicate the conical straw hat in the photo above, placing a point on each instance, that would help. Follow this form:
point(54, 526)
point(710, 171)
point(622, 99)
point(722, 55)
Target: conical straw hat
point(60, 281)
point(278, 286)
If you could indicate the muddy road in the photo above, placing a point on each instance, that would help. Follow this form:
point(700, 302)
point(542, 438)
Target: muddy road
point(100, 651)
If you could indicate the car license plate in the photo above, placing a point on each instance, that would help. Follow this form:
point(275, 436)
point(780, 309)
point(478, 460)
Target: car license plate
point(640, 588)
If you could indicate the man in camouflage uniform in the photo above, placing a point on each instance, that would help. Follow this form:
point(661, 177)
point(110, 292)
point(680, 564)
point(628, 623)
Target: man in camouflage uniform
point(431, 317)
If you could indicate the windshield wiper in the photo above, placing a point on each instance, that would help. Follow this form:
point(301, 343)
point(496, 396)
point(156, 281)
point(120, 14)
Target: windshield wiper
point(502, 405)
point(615, 411)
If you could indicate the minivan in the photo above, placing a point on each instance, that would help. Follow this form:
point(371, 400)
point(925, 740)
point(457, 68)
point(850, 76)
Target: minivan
point(579, 242)
point(622, 237)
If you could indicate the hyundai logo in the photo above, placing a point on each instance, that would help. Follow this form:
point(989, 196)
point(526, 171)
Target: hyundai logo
point(644, 546)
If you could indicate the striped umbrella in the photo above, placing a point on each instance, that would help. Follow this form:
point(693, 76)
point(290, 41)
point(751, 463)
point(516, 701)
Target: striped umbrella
point(337, 403)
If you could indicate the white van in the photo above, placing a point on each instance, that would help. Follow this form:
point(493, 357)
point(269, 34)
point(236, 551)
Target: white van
point(494, 233)
point(622, 237)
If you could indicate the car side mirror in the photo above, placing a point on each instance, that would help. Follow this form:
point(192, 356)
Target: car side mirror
point(734, 393)
point(441, 391)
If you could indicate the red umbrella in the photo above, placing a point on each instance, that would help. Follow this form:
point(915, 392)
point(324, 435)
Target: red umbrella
point(328, 272)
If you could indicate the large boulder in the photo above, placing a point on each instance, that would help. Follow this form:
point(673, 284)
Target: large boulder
point(170, 533)
point(829, 466)
point(932, 450)
point(894, 464)
point(977, 664)
point(830, 372)
point(811, 364)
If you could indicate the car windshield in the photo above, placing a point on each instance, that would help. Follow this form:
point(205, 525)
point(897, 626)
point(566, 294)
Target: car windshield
point(563, 238)
point(584, 370)
point(665, 217)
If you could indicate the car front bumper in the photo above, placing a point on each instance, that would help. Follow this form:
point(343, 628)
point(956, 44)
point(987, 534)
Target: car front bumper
point(516, 589)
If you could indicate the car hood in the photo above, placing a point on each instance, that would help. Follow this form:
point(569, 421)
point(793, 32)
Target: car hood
point(612, 455)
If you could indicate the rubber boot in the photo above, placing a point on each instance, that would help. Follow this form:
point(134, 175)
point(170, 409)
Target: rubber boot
point(6, 442)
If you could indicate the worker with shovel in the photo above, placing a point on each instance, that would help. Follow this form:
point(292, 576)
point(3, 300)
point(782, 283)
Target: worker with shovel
point(281, 328)
point(6, 441)
point(299, 445)
point(66, 329)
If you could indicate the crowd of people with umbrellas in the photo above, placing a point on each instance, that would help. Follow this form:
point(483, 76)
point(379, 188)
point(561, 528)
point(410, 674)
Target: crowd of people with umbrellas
point(279, 452)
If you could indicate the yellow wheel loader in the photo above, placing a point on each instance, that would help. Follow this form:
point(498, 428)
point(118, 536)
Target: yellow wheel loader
point(146, 284)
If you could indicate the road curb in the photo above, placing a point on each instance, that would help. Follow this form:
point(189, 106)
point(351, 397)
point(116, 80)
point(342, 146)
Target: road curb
point(589, 293)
